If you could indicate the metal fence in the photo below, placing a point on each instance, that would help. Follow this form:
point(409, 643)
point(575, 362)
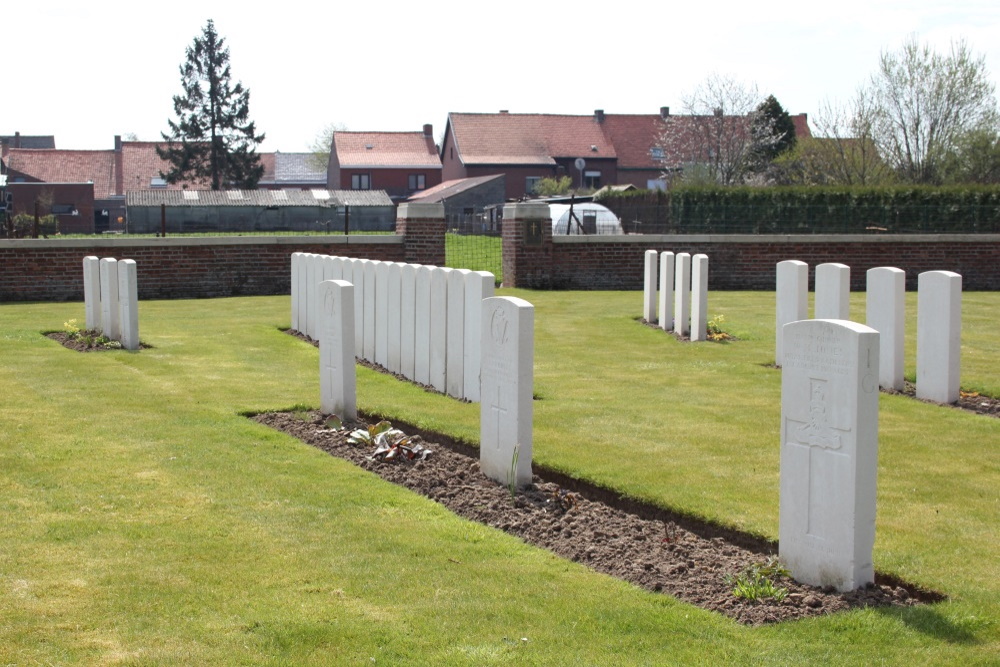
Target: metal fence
point(807, 219)
point(473, 241)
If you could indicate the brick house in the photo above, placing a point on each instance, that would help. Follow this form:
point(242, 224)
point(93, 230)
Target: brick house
point(616, 149)
point(401, 163)
point(527, 148)
point(129, 166)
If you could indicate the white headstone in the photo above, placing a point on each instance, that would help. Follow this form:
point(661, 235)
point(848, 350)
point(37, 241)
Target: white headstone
point(407, 319)
point(92, 292)
point(304, 293)
point(682, 293)
point(110, 326)
point(939, 335)
point(791, 299)
point(479, 285)
point(368, 352)
point(505, 413)
point(358, 280)
point(699, 297)
point(649, 286)
point(382, 314)
point(829, 452)
point(337, 375)
point(885, 295)
point(455, 364)
point(422, 326)
point(395, 314)
point(314, 276)
point(296, 265)
point(666, 309)
point(331, 268)
point(833, 292)
point(439, 328)
point(128, 304)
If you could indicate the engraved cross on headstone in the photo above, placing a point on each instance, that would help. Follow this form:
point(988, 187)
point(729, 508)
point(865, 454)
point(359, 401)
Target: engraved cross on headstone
point(824, 440)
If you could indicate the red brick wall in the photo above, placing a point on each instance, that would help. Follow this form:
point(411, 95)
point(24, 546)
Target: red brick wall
point(172, 268)
point(527, 263)
point(423, 228)
point(747, 262)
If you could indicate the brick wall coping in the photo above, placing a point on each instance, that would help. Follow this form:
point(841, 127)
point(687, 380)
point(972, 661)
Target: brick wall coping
point(661, 239)
point(174, 241)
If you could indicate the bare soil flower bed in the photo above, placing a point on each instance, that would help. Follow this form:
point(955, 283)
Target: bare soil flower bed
point(644, 545)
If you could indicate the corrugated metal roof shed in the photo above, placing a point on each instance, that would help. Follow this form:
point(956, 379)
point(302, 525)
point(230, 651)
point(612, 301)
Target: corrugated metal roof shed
point(258, 198)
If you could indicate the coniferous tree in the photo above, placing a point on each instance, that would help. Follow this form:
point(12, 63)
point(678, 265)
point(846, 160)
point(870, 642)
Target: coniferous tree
point(212, 138)
point(778, 126)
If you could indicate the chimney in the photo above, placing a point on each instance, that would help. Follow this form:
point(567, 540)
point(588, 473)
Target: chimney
point(717, 112)
point(664, 112)
point(599, 115)
point(428, 130)
point(503, 111)
point(118, 143)
point(17, 140)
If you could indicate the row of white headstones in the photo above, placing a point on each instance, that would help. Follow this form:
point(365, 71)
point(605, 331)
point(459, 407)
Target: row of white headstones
point(939, 319)
point(419, 321)
point(111, 299)
point(831, 372)
point(495, 337)
point(683, 280)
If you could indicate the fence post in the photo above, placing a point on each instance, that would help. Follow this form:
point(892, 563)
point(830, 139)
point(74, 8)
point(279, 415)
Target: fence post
point(423, 229)
point(163, 220)
point(527, 246)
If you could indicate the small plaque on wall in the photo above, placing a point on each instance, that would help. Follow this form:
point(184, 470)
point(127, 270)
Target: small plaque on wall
point(532, 232)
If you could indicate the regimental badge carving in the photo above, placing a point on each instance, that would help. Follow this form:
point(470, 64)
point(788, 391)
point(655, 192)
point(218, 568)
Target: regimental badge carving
point(499, 325)
point(817, 432)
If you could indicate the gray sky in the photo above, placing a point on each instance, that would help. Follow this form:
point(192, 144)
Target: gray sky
point(86, 71)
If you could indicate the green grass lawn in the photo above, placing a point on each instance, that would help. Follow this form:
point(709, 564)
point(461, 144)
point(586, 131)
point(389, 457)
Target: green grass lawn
point(145, 521)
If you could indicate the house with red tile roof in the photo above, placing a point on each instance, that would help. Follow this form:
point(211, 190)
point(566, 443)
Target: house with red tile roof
point(131, 165)
point(527, 148)
point(401, 163)
point(615, 149)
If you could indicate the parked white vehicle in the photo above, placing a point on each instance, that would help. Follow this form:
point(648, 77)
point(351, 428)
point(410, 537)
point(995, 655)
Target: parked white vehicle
point(587, 218)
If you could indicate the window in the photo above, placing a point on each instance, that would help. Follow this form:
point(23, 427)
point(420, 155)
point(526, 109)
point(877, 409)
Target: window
point(360, 182)
point(530, 182)
point(592, 180)
point(656, 153)
point(416, 182)
point(64, 209)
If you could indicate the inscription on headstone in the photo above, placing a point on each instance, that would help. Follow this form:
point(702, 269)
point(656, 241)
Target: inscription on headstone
point(507, 371)
point(829, 452)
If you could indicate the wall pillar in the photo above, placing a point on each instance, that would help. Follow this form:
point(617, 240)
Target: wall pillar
point(422, 227)
point(527, 246)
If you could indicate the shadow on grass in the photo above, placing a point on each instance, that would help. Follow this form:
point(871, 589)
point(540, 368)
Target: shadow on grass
point(929, 621)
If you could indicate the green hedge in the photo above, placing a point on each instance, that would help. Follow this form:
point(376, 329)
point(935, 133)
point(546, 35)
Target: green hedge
point(810, 210)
